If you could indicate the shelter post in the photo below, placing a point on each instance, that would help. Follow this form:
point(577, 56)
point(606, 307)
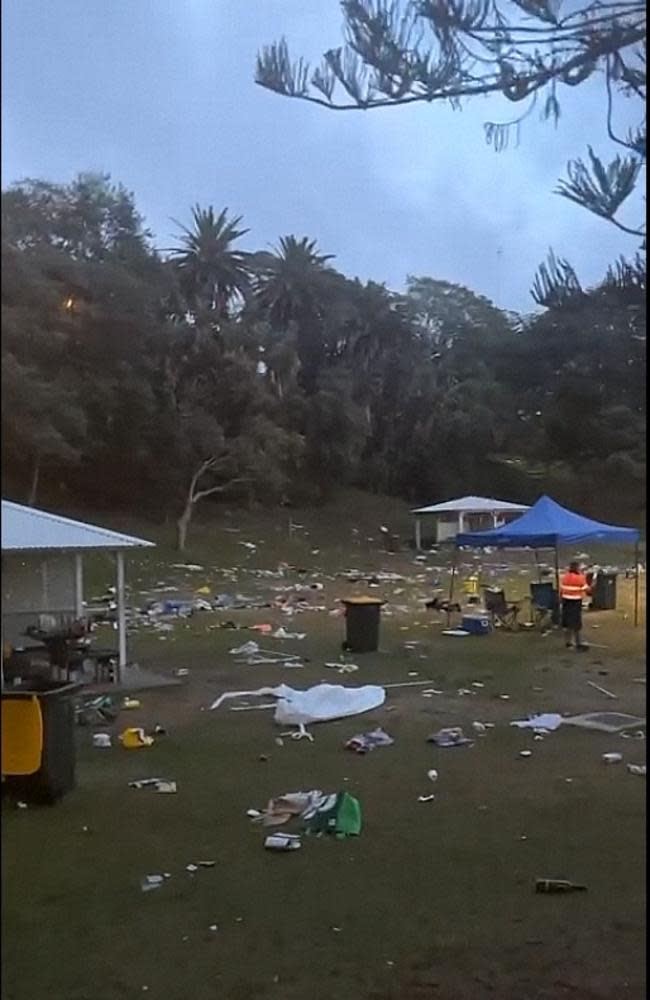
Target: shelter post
point(121, 615)
point(452, 580)
point(78, 586)
point(418, 533)
point(636, 584)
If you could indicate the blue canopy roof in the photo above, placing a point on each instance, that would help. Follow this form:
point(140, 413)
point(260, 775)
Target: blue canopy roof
point(546, 525)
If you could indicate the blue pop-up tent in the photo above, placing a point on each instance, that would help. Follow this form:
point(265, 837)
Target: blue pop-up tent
point(547, 525)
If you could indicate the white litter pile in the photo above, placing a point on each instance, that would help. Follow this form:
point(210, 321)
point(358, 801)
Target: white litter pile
point(322, 703)
point(604, 722)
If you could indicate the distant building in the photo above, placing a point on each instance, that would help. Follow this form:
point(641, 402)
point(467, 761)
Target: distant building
point(465, 514)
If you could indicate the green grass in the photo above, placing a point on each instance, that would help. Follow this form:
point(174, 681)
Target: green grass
point(432, 901)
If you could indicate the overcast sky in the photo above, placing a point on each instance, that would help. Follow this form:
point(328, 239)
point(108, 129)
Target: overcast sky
point(160, 94)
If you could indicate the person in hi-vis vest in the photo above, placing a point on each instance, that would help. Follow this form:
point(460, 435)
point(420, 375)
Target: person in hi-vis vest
point(573, 589)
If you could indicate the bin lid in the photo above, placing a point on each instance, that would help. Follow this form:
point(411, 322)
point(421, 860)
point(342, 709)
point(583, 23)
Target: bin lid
point(363, 599)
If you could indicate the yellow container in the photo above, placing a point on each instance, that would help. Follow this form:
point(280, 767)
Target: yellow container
point(22, 736)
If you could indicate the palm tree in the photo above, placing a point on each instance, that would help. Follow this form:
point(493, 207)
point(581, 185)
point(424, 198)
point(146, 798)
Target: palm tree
point(292, 287)
point(211, 273)
point(290, 281)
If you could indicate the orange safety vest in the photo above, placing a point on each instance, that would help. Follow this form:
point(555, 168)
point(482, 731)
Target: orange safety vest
point(573, 586)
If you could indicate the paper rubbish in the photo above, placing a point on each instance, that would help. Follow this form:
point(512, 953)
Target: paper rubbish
point(321, 703)
point(364, 742)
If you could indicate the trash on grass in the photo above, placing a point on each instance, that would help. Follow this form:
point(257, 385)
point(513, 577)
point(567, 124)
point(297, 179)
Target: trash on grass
point(639, 769)
point(432, 775)
point(612, 758)
point(557, 885)
point(426, 798)
point(131, 703)
point(450, 737)
point(150, 882)
point(343, 668)
point(364, 742)
point(159, 784)
point(133, 739)
point(597, 687)
point(101, 740)
point(548, 720)
point(283, 842)
point(321, 703)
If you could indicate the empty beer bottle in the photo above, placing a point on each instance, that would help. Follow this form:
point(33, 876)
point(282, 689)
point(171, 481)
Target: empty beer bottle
point(557, 885)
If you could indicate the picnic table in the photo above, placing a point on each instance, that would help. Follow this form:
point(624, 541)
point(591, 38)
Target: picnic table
point(68, 647)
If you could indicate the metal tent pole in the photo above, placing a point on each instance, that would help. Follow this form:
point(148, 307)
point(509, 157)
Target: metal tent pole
point(636, 584)
point(121, 616)
point(557, 584)
point(451, 582)
point(78, 586)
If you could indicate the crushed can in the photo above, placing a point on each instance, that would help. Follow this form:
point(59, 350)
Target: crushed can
point(283, 842)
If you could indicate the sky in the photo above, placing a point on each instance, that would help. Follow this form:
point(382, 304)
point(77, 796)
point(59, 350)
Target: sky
point(161, 95)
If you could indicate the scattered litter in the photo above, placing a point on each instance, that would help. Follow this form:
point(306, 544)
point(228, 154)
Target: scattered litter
point(426, 798)
point(450, 737)
point(190, 567)
point(604, 722)
point(557, 885)
point(283, 842)
point(101, 740)
point(181, 672)
point(281, 633)
point(338, 813)
point(429, 692)
point(612, 758)
point(432, 775)
point(321, 703)
point(21, 805)
point(479, 727)
point(638, 735)
point(549, 721)
point(525, 753)
point(133, 739)
point(478, 684)
point(504, 697)
point(597, 687)
point(150, 882)
point(343, 668)
point(159, 784)
point(262, 629)
point(454, 631)
point(248, 649)
point(131, 703)
point(639, 680)
point(639, 769)
point(364, 742)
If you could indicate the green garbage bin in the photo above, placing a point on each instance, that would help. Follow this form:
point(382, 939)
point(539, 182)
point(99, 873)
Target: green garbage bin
point(362, 615)
point(38, 740)
point(604, 592)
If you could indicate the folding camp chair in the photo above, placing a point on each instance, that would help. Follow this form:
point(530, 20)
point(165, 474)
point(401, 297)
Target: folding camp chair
point(503, 613)
point(544, 609)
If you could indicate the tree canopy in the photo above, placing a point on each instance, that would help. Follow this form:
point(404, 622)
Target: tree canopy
point(211, 374)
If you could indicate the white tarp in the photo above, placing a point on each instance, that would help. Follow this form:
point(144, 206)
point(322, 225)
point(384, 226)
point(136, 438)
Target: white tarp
point(321, 703)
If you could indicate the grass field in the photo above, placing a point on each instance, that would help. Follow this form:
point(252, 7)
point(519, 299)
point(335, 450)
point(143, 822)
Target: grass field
point(433, 900)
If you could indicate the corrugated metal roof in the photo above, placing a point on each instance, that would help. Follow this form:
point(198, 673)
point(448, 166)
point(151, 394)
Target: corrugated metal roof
point(472, 505)
point(27, 528)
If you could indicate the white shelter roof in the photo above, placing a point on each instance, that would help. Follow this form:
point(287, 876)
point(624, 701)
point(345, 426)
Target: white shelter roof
point(473, 505)
point(25, 528)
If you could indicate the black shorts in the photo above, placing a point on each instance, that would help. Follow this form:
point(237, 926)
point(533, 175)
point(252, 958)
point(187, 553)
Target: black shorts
point(572, 615)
